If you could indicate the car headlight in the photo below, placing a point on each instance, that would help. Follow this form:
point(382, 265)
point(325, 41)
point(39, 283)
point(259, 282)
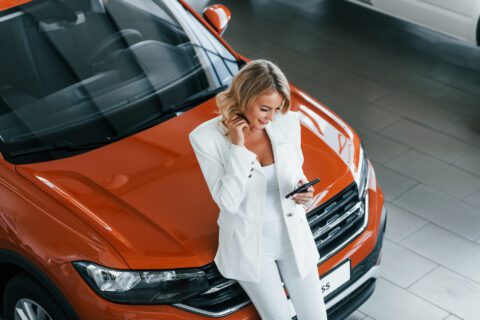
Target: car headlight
point(143, 287)
point(361, 178)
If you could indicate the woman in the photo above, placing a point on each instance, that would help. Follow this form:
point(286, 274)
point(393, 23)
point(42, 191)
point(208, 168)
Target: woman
point(250, 157)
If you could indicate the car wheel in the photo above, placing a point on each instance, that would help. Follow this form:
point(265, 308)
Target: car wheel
point(26, 299)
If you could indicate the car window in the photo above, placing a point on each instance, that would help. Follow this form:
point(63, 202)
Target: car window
point(82, 73)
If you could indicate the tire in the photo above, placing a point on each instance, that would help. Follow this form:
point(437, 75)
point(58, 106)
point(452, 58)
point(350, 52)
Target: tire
point(23, 291)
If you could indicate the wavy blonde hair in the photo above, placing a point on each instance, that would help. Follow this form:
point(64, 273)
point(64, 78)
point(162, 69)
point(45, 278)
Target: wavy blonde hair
point(255, 78)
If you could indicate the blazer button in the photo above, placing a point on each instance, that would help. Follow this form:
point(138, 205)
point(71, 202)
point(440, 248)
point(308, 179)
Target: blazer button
point(251, 169)
point(289, 214)
point(250, 176)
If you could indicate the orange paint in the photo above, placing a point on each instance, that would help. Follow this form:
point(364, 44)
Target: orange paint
point(7, 4)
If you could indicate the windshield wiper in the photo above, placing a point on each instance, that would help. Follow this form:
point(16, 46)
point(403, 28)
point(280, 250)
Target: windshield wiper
point(174, 110)
point(67, 146)
point(149, 122)
point(197, 99)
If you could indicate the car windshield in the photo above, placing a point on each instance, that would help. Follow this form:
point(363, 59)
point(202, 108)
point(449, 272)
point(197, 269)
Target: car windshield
point(76, 74)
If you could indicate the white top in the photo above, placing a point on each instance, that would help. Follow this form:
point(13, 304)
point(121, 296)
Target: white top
point(273, 208)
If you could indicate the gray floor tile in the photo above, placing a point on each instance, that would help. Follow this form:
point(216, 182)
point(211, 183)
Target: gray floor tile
point(343, 58)
point(292, 60)
point(452, 317)
point(474, 198)
point(301, 42)
point(446, 211)
point(392, 183)
point(406, 270)
point(435, 173)
point(467, 130)
point(310, 87)
point(378, 71)
point(471, 163)
point(390, 302)
point(419, 109)
point(298, 20)
point(304, 4)
point(453, 292)
point(379, 148)
point(414, 83)
point(447, 249)
point(247, 44)
point(427, 140)
point(357, 315)
point(461, 102)
point(401, 223)
point(357, 111)
point(352, 84)
point(457, 77)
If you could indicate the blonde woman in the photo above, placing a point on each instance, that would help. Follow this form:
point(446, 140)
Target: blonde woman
point(250, 156)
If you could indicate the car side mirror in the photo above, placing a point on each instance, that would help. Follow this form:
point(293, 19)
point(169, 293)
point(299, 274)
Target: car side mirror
point(218, 16)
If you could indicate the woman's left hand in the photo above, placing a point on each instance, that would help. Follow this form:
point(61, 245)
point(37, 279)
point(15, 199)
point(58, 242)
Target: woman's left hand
point(303, 198)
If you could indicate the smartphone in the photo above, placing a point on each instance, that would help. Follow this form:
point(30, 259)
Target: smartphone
point(303, 188)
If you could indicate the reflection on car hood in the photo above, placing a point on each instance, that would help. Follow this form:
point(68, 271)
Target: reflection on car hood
point(146, 194)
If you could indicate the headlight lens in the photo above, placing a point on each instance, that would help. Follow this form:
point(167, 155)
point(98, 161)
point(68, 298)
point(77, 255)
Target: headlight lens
point(143, 287)
point(362, 174)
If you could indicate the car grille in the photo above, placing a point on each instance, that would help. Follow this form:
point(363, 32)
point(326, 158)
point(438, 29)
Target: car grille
point(334, 224)
point(336, 221)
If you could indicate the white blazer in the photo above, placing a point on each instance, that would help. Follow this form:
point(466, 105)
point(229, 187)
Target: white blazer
point(239, 188)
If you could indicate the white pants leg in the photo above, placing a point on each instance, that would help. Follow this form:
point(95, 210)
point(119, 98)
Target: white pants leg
point(306, 294)
point(268, 296)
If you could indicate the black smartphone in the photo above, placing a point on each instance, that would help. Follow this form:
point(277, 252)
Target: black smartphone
point(303, 187)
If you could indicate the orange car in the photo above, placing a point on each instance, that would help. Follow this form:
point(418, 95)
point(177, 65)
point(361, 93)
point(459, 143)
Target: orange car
point(104, 212)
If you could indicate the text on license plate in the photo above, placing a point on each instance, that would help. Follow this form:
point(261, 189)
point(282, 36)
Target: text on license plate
point(330, 283)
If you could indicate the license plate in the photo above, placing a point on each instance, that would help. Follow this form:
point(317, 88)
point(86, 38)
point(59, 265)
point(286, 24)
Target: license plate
point(330, 283)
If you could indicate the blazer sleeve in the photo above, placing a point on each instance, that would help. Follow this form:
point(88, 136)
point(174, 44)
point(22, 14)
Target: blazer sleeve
point(298, 141)
point(226, 181)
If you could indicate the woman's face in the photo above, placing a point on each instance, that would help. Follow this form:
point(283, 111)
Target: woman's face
point(262, 109)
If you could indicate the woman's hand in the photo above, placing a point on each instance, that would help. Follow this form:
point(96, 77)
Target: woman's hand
point(236, 129)
point(303, 198)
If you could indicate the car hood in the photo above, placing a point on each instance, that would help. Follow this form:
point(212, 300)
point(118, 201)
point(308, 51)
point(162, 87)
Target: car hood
point(146, 195)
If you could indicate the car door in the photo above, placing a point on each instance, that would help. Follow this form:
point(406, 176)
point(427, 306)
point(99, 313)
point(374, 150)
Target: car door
point(457, 18)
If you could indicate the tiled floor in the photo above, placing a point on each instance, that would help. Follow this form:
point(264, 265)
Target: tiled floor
point(413, 96)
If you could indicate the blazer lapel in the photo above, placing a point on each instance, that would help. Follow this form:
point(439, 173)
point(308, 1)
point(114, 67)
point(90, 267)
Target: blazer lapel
point(280, 153)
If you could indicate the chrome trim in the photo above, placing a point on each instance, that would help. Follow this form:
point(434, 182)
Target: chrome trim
point(208, 313)
point(360, 230)
point(11, 16)
point(220, 286)
point(358, 176)
point(338, 220)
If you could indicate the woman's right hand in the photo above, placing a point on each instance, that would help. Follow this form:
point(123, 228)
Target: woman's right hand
point(236, 129)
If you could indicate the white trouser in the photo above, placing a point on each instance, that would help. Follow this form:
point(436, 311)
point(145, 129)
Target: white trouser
point(278, 264)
